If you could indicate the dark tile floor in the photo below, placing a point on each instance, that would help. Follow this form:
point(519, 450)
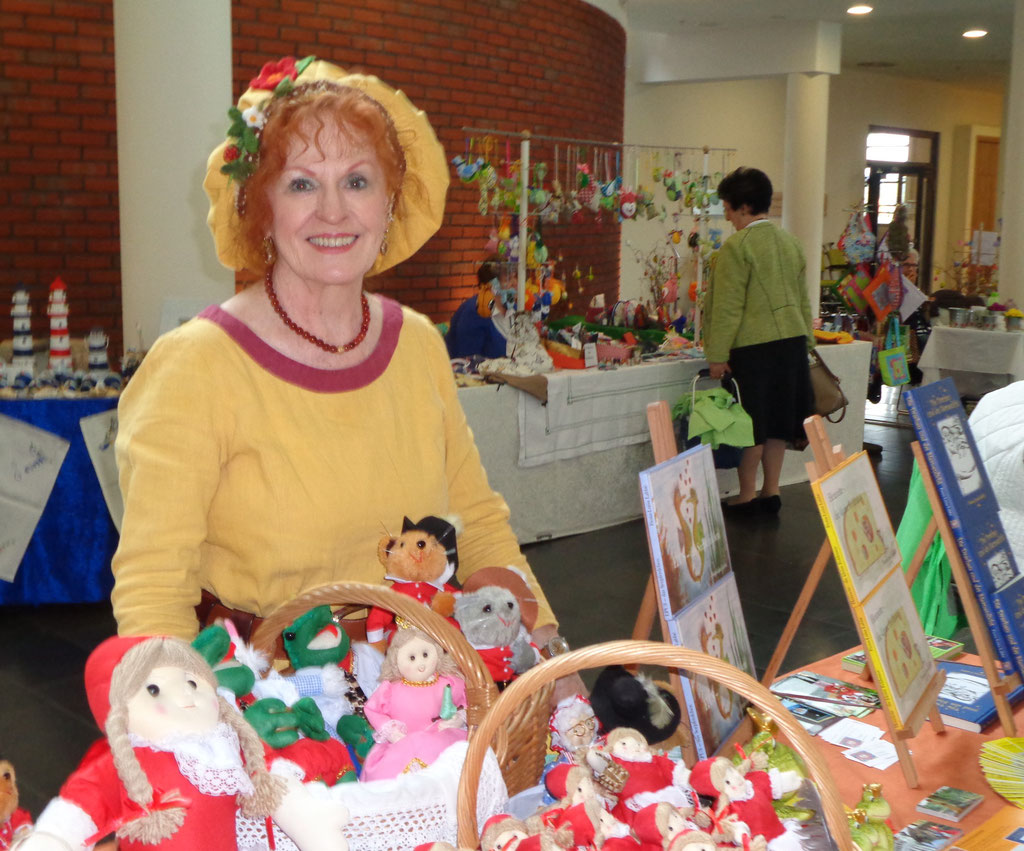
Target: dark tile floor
point(595, 583)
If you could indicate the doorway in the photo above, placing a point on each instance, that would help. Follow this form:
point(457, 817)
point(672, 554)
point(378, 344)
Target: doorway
point(900, 169)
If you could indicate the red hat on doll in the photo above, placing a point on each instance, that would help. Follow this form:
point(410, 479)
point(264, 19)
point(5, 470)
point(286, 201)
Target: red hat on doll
point(700, 778)
point(99, 668)
point(556, 781)
point(646, 827)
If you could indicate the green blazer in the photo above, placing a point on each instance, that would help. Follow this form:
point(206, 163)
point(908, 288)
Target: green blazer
point(757, 292)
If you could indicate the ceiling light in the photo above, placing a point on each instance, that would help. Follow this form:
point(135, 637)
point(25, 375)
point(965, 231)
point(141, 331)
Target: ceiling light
point(859, 9)
point(975, 33)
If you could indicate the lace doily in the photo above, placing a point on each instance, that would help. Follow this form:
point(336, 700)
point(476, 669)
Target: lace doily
point(212, 762)
point(395, 815)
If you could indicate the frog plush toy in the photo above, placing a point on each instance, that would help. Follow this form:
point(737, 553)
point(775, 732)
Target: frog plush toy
point(336, 673)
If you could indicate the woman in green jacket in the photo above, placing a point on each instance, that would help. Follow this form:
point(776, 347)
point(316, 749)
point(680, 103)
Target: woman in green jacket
point(758, 327)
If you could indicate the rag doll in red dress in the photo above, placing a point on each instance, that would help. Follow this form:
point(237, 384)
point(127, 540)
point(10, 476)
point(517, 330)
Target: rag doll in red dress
point(177, 765)
point(419, 708)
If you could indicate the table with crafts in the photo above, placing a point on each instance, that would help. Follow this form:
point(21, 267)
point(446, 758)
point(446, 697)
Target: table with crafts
point(570, 466)
point(977, 360)
point(942, 759)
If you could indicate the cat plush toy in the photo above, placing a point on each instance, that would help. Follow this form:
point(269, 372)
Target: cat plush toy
point(490, 617)
point(418, 562)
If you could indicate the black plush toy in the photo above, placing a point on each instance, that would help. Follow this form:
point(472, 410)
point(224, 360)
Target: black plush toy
point(621, 699)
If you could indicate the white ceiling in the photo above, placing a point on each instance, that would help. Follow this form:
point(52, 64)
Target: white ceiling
point(921, 38)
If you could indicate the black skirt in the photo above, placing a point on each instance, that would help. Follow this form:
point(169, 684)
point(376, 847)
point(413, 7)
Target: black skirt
point(775, 388)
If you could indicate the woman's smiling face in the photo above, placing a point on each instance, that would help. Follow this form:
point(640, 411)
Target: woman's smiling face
point(330, 206)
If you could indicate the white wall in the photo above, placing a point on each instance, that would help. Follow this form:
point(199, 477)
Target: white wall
point(750, 115)
point(173, 64)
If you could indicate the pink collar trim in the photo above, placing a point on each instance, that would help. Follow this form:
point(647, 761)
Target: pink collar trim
point(309, 377)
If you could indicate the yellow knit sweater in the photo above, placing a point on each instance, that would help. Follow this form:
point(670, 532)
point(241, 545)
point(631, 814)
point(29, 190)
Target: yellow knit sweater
point(255, 477)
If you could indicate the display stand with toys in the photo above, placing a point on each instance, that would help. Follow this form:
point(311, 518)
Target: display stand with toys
point(647, 653)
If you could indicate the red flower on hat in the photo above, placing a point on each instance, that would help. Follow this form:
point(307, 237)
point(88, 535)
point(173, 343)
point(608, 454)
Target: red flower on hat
point(273, 72)
point(231, 153)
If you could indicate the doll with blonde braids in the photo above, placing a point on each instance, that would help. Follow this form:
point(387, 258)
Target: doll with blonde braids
point(178, 763)
point(419, 708)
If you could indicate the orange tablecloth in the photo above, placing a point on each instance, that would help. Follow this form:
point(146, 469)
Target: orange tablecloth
point(942, 759)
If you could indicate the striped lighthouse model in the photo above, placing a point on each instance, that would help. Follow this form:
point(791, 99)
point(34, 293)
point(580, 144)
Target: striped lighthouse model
point(22, 358)
point(60, 341)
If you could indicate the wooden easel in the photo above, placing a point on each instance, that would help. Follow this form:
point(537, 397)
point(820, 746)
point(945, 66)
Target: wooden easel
point(663, 441)
point(827, 458)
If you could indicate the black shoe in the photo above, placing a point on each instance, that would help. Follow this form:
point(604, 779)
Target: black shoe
point(769, 504)
point(741, 509)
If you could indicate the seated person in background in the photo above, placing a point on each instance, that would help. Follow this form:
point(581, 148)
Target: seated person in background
point(472, 330)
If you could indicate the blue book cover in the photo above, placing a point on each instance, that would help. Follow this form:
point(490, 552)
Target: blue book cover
point(960, 478)
point(966, 698)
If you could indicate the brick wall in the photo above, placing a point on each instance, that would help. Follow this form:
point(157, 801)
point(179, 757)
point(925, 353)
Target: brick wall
point(58, 162)
point(554, 67)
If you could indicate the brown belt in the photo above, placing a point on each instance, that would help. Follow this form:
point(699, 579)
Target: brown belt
point(210, 608)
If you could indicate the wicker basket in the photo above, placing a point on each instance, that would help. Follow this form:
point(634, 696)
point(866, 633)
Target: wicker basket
point(647, 653)
point(519, 746)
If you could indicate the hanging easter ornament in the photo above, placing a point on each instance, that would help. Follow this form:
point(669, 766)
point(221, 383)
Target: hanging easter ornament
point(540, 249)
point(467, 170)
point(627, 204)
point(504, 235)
point(538, 195)
point(488, 180)
point(585, 189)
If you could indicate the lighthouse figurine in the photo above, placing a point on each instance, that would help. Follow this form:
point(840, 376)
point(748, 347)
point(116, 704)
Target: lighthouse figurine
point(60, 342)
point(23, 359)
point(98, 365)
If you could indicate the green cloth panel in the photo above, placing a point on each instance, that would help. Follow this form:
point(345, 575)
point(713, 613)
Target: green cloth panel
point(933, 589)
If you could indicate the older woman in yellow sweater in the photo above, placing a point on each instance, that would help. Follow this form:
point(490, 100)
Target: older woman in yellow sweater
point(759, 329)
point(265, 446)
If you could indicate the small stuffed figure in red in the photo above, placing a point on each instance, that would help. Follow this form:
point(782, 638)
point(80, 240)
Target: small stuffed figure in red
point(652, 778)
point(657, 825)
point(502, 833)
point(693, 840)
point(747, 794)
point(418, 563)
point(177, 766)
point(14, 821)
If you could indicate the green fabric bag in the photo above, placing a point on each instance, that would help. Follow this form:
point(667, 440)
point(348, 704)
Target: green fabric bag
point(715, 418)
point(892, 360)
point(933, 590)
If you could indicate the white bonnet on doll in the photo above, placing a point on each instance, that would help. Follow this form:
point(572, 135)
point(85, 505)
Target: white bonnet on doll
point(569, 712)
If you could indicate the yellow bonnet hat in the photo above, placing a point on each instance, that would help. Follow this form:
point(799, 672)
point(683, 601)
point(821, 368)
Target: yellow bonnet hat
point(420, 207)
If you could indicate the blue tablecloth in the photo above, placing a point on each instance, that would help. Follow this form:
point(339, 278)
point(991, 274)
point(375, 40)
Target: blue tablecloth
point(68, 558)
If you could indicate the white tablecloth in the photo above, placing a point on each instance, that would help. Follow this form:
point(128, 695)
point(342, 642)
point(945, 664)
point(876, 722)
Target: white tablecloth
point(600, 441)
point(976, 360)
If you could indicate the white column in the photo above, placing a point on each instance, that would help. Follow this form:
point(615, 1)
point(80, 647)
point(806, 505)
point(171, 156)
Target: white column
point(173, 73)
point(803, 180)
point(1011, 248)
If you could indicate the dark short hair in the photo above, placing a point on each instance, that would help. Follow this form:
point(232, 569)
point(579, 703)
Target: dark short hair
point(488, 270)
point(747, 186)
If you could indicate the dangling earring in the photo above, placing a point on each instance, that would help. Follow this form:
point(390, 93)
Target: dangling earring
point(269, 251)
point(387, 228)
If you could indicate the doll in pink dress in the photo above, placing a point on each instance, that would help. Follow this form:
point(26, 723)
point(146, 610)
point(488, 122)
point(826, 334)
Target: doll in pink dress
point(408, 709)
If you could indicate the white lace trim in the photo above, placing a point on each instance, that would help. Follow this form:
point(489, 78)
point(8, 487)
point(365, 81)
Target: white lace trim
point(398, 814)
point(212, 762)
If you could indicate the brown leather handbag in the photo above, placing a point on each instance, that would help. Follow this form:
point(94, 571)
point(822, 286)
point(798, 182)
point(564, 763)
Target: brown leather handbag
point(828, 394)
